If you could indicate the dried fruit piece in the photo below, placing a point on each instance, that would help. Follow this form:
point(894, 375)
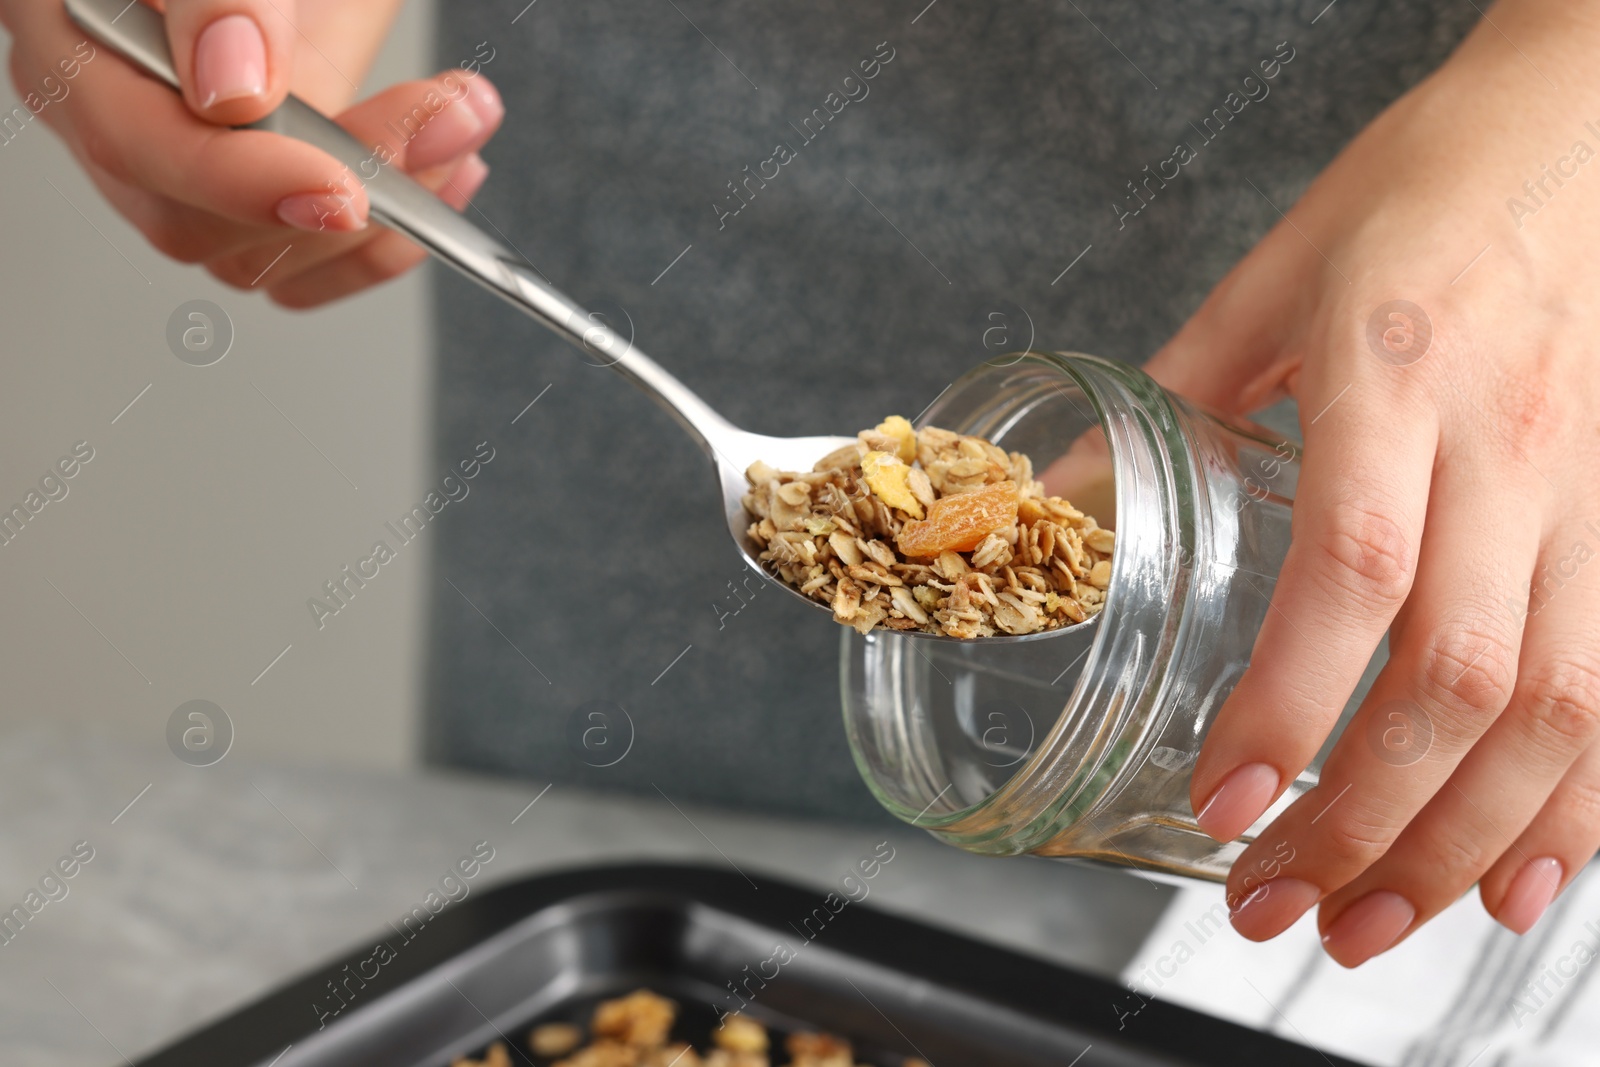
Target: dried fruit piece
point(900, 429)
point(958, 523)
point(889, 479)
point(738, 1033)
point(554, 1039)
point(640, 1018)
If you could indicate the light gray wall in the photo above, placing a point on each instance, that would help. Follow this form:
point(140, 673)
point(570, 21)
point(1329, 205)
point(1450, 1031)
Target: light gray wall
point(179, 563)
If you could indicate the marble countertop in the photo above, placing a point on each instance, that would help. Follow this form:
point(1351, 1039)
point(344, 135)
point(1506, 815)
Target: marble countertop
point(209, 886)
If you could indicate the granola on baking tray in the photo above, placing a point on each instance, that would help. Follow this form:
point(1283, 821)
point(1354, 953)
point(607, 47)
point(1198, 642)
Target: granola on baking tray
point(635, 1031)
point(929, 530)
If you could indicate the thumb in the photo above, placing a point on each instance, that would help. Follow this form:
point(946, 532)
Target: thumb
point(233, 57)
point(1231, 354)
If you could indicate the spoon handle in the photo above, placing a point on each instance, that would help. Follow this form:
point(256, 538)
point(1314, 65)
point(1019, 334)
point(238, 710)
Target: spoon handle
point(138, 34)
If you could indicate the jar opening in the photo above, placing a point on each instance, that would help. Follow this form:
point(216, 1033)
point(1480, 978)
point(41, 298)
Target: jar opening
point(995, 744)
point(1081, 744)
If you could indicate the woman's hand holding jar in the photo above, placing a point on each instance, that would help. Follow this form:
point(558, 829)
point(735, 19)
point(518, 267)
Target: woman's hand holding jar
point(1435, 318)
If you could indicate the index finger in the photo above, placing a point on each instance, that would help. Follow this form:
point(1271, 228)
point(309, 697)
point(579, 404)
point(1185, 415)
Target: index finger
point(1358, 516)
point(141, 133)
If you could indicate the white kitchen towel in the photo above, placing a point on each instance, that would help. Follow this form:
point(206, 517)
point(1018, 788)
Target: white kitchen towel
point(1461, 992)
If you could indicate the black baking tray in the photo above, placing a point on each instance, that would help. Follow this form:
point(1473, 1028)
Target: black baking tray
point(550, 947)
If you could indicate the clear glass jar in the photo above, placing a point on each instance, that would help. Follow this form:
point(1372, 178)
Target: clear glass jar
point(1081, 744)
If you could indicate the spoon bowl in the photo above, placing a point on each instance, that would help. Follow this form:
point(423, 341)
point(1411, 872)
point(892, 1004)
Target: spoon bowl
point(734, 450)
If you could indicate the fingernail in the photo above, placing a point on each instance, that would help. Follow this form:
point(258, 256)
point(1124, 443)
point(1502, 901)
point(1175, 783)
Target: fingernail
point(1238, 801)
point(444, 136)
point(1273, 907)
point(1530, 894)
point(230, 61)
point(1367, 927)
point(466, 180)
point(320, 212)
point(484, 99)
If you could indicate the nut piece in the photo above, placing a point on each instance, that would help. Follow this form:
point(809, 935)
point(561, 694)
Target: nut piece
point(846, 600)
point(1016, 616)
point(640, 1019)
point(907, 605)
point(1102, 541)
point(739, 1033)
point(881, 553)
point(758, 473)
point(992, 551)
point(844, 546)
point(554, 1039)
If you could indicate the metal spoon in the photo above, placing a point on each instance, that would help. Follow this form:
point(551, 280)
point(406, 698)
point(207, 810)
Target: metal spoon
point(138, 34)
